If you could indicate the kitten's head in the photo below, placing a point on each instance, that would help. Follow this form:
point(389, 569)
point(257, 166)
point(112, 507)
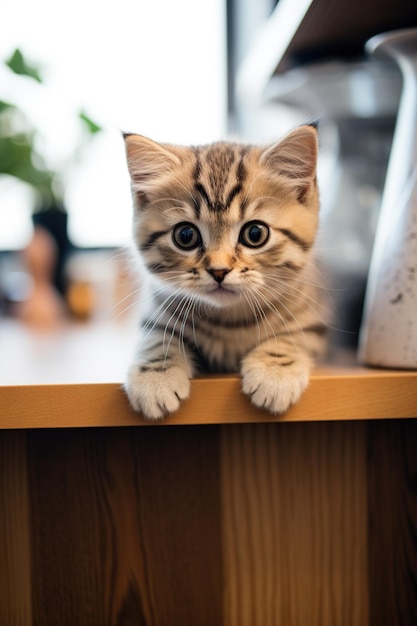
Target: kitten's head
point(221, 220)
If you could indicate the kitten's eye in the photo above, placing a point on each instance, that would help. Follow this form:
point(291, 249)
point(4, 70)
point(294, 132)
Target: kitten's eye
point(254, 234)
point(186, 236)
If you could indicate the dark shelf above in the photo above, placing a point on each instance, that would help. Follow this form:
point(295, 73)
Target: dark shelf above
point(340, 29)
point(314, 32)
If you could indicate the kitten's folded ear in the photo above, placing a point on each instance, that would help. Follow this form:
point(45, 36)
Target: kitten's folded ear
point(295, 158)
point(148, 162)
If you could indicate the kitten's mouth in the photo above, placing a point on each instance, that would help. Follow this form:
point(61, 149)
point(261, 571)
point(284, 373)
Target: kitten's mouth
point(221, 288)
point(221, 292)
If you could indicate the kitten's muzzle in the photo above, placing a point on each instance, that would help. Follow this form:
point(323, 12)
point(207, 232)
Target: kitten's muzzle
point(218, 274)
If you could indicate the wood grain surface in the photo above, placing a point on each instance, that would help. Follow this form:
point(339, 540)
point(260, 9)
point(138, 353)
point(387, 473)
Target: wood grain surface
point(393, 523)
point(125, 527)
point(295, 524)
point(15, 548)
point(295, 533)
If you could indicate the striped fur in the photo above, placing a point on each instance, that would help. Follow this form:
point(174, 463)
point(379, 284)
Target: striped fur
point(244, 295)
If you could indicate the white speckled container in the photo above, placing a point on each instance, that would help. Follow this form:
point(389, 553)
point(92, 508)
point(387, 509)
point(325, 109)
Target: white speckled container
point(389, 328)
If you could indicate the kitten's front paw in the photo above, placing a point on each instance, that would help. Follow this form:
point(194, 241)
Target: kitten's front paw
point(273, 386)
point(154, 393)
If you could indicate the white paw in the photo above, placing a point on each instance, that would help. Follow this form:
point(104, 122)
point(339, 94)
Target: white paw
point(156, 393)
point(272, 386)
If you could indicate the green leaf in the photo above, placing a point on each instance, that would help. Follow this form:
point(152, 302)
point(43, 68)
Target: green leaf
point(17, 159)
point(4, 106)
point(18, 64)
point(90, 125)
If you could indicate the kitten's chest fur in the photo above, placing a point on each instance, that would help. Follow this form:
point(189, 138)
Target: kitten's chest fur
point(218, 340)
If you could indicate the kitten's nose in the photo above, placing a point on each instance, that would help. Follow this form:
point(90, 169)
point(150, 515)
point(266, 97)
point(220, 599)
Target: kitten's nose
point(219, 274)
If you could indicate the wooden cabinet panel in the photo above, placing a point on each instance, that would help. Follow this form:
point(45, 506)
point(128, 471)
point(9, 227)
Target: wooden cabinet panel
point(125, 527)
point(295, 532)
point(392, 464)
point(222, 525)
point(15, 549)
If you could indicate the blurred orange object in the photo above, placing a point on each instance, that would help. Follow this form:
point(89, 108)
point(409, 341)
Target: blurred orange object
point(81, 299)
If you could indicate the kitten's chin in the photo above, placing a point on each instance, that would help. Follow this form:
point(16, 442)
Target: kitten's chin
point(222, 297)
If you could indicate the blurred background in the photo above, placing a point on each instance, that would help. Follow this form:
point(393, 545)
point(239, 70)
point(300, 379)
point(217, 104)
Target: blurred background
point(142, 66)
point(73, 76)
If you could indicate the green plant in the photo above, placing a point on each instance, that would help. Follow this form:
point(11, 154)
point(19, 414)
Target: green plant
point(19, 155)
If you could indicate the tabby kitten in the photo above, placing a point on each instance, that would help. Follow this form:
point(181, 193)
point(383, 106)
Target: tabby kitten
point(225, 235)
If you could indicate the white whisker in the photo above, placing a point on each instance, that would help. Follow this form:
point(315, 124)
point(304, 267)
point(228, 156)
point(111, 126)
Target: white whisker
point(271, 307)
point(176, 313)
point(190, 307)
point(254, 307)
point(156, 316)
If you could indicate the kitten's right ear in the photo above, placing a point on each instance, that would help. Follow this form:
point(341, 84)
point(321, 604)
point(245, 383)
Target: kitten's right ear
point(148, 162)
point(295, 159)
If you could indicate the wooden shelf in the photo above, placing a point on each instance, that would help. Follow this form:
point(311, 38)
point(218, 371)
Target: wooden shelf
point(72, 377)
point(333, 394)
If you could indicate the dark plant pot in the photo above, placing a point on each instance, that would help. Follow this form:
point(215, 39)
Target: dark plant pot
point(55, 221)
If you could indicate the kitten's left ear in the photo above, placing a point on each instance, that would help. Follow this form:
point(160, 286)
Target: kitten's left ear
point(295, 158)
point(148, 162)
